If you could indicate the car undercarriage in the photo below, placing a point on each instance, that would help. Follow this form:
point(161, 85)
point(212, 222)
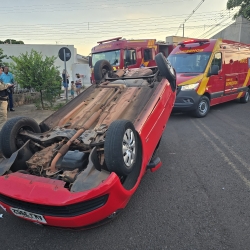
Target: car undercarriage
point(72, 142)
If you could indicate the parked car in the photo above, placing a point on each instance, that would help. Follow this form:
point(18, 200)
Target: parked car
point(81, 165)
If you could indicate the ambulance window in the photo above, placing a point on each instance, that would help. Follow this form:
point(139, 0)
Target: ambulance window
point(147, 54)
point(217, 60)
point(129, 57)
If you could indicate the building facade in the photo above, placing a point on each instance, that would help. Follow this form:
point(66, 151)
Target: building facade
point(239, 31)
point(77, 64)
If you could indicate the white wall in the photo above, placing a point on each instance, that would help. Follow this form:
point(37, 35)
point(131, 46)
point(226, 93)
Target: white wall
point(238, 31)
point(82, 69)
point(46, 50)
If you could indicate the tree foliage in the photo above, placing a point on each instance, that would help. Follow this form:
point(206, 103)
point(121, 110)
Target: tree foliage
point(2, 56)
point(32, 70)
point(244, 6)
point(11, 41)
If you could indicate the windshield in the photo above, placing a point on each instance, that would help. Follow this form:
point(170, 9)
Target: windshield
point(113, 57)
point(190, 63)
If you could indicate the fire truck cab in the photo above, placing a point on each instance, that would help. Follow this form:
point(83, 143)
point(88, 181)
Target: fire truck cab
point(210, 72)
point(122, 53)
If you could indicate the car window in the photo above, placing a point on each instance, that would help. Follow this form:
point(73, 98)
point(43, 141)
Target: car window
point(147, 55)
point(129, 57)
point(217, 60)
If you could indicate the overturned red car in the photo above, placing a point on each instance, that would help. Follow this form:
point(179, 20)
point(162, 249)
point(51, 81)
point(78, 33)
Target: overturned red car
point(80, 166)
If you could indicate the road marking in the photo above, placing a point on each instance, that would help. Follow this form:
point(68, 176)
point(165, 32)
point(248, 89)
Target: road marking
point(227, 147)
point(226, 159)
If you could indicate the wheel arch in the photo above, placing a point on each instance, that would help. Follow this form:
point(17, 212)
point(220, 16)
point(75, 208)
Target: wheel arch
point(208, 95)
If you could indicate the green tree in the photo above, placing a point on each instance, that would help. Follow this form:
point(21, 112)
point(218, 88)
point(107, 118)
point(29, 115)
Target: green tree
point(11, 41)
point(32, 70)
point(244, 7)
point(2, 56)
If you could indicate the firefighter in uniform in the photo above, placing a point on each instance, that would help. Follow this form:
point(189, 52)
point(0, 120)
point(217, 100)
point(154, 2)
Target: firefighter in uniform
point(3, 101)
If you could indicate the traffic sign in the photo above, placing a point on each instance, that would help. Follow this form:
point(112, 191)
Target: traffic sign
point(64, 51)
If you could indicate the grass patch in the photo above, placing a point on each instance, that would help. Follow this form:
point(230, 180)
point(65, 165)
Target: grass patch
point(57, 106)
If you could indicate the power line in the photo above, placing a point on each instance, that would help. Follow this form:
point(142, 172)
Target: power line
point(197, 7)
point(210, 31)
point(96, 5)
point(145, 31)
point(149, 19)
point(154, 25)
point(213, 23)
point(157, 21)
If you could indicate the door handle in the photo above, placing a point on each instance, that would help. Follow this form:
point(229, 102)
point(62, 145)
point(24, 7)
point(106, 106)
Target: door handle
point(221, 78)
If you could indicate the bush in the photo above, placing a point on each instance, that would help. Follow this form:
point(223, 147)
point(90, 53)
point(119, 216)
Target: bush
point(34, 71)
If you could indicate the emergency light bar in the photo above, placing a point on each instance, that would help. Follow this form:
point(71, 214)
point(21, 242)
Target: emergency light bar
point(109, 40)
point(200, 41)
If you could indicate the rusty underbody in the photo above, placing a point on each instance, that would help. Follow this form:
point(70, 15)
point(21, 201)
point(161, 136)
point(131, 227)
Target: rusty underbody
point(77, 131)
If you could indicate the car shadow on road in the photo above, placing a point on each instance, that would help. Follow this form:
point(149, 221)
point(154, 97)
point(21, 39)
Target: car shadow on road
point(231, 105)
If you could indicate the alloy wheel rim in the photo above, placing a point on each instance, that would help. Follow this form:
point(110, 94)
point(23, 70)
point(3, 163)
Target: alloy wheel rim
point(128, 148)
point(203, 107)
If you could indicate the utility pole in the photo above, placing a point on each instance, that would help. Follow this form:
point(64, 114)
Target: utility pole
point(183, 30)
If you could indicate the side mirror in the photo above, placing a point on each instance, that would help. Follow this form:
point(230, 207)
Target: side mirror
point(214, 70)
point(90, 61)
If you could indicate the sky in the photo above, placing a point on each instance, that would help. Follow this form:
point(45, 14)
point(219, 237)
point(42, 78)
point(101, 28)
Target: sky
point(83, 23)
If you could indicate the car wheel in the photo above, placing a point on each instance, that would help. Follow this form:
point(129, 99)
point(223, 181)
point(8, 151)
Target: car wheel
point(245, 98)
point(121, 147)
point(101, 68)
point(10, 140)
point(202, 107)
point(166, 70)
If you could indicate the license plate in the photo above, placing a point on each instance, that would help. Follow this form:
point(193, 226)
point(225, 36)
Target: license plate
point(28, 215)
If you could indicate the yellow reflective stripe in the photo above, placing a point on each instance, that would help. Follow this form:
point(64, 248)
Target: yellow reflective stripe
point(193, 80)
point(245, 83)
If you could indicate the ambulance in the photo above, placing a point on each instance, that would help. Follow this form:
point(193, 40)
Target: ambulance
point(210, 72)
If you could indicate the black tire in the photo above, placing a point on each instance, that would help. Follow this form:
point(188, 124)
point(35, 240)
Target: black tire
point(203, 107)
point(10, 141)
point(166, 70)
point(101, 68)
point(115, 145)
point(245, 98)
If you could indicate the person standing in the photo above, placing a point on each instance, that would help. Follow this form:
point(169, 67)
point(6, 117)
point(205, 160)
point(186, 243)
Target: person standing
point(7, 78)
point(65, 77)
point(3, 100)
point(72, 91)
point(78, 84)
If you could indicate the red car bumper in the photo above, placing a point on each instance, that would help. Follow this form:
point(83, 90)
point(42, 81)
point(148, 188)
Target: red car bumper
point(58, 206)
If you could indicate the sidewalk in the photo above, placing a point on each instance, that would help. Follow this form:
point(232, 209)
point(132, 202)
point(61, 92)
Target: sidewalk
point(30, 110)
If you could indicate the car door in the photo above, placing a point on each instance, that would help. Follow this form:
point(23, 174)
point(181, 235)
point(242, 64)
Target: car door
point(217, 82)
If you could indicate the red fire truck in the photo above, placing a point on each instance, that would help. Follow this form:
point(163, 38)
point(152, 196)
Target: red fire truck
point(210, 72)
point(122, 53)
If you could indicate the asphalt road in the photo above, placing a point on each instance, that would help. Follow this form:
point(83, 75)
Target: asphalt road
point(198, 199)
